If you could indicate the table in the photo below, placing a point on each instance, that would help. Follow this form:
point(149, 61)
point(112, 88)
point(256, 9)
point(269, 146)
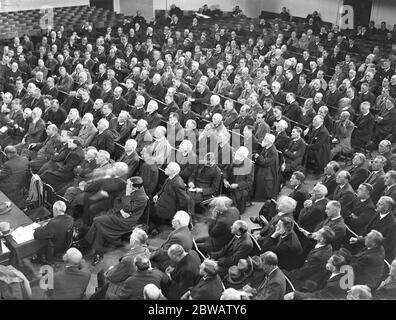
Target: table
point(16, 218)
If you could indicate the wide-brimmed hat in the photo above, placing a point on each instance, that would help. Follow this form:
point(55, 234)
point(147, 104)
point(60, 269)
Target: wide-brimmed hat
point(246, 266)
point(235, 276)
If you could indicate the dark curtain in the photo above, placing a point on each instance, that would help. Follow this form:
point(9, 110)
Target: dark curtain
point(361, 10)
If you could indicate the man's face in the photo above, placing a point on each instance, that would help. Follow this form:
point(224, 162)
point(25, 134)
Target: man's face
point(330, 210)
point(388, 179)
point(376, 164)
point(381, 206)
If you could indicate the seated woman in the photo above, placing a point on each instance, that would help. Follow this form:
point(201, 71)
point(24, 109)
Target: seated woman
point(220, 222)
point(119, 220)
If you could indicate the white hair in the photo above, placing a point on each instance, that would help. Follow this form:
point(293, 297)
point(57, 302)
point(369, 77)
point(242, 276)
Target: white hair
point(183, 217)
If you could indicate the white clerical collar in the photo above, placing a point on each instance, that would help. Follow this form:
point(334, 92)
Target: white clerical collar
point(383, 215)
point(319, 246)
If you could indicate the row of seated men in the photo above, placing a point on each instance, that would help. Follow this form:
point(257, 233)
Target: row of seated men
point(287, 265)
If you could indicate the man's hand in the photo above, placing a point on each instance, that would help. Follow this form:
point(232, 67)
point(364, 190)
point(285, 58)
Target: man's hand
point(155, 198)
point(226, 184)
point(82, 185)
point(124, 214)
point(307, 203)
point(191, 185)
point(234, 186)
point(289, 296)
point(353, 240)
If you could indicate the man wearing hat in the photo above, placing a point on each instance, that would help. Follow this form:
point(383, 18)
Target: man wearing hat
point(266, 182)
point(70, 283)
point(13, 174)
point(65, 173)
point(119, 220)
point(209, 286)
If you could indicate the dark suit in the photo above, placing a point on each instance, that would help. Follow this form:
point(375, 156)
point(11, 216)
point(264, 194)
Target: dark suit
point(181, 236)
point(35, 132)
point(377, 181)
point(318, 146)
point(229, 255)
point(219, 230)
point(153, 120)
point(209, 288)
point(313, 269)
point(338, 226)
point(266, 179)
point(103, 141)
point(281, 141)
point(364, 212)
point(273, 286)
point(331, 291)
point(358, 175)
point(387, 227)
point(56, 232)
point(132, 161)
point(329, 182)
point(13, 176)
point(65, 173)
point(172, 197)
point(126, 267)
point(113, 225)
point(185, 276)
point(294, 154)
point(113, 186)
point(390, 192)
point(368, 266)
point(300, 195)
point(344, 195)
point(310, 217)
point(74, 127)
point(363, 131)
point(134, 285)
point(70, 284)
point(288, 249)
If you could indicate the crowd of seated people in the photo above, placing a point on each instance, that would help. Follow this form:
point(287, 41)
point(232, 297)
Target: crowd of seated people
point(154, 120)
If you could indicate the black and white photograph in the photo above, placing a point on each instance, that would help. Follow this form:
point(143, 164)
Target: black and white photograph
point(178, 150)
